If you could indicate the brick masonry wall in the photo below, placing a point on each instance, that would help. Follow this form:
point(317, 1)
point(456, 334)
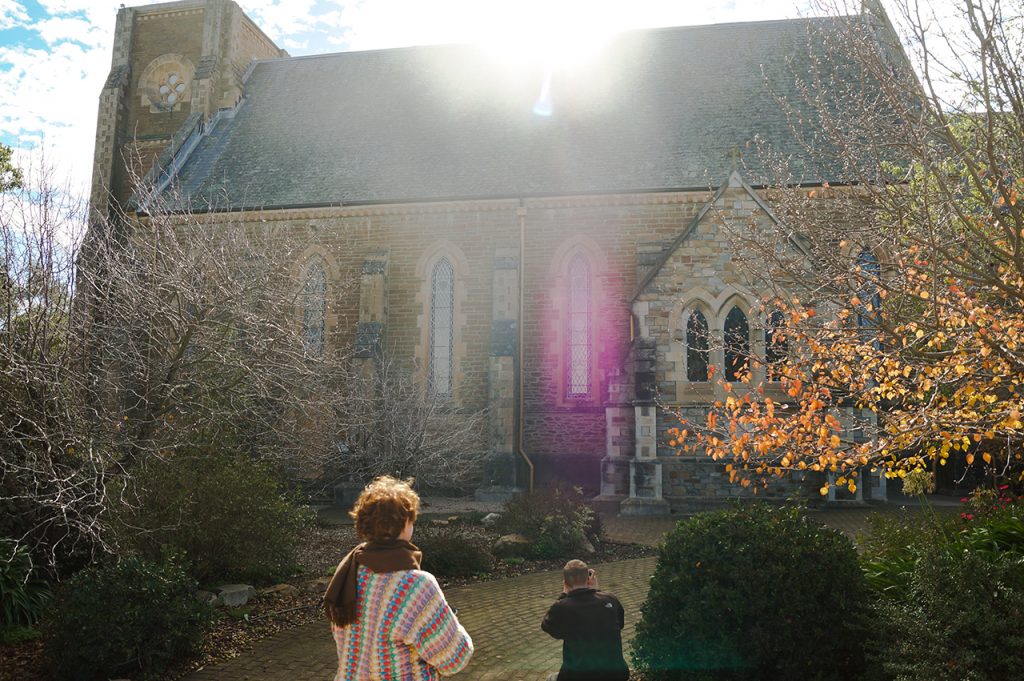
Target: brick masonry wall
point(565, 438)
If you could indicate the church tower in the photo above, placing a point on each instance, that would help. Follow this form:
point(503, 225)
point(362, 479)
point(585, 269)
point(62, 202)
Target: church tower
point(174, 66)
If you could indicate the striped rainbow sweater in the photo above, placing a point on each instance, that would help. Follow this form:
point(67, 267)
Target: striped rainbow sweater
point(404, 631)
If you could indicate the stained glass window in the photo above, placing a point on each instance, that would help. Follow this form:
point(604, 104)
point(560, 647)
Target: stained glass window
point(442, 327)
point(697, 353)
point(776, 347)
point(737, 344)
point(578, 333)
point(314, 309)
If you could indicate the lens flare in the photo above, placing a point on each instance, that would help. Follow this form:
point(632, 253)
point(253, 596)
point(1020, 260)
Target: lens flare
point(544, 106)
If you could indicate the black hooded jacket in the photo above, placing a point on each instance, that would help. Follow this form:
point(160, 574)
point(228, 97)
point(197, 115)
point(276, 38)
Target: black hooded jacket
point(589, 623)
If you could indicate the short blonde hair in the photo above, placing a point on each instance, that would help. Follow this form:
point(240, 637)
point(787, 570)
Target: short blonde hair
point(384, 507)
point(575, 573)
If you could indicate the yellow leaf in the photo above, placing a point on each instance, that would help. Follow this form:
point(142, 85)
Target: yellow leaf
point(823, 491)
point(970, 459)
point(987, 457)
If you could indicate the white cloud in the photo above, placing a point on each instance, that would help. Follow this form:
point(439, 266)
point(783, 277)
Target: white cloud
point(281, 18)
point(11, 14)
point(56, 99)
point(57, 29)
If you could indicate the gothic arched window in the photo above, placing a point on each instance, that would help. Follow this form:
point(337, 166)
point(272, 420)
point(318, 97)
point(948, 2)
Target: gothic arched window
point(442, 327)
point(737, 344)
point(776, 347)
point(578, 350)
point(314, 309)
point(697, 347)
point(870, 301)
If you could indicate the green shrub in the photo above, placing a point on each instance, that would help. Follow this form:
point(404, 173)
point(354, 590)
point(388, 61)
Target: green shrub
point(17, 634)
point(948, 595)
point(132, 618)
point(557, 521)
point(22, 595)
point(754, 592)
point(895, 546)
point(454, 551)
point(228, 517)
point(958, 619)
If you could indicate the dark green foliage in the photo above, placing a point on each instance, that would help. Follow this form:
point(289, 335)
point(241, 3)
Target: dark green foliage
point(557, 521)
point(454, 550)
point(132, 618)
point(16, 635)
point(753, 593)
point(228, 517)
point(960, 620)
point(948, 596)
point(22, 595)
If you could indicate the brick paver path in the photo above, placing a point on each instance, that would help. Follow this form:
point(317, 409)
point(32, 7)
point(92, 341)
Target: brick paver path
point(503, 617)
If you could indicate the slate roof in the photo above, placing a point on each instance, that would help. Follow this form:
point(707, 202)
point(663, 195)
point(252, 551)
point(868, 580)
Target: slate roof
point(660, 111)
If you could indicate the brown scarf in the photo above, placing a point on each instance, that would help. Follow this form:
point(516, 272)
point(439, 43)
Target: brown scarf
point(390, 555)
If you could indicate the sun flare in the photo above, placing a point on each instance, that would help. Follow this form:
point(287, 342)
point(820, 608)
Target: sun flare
point(558, 35)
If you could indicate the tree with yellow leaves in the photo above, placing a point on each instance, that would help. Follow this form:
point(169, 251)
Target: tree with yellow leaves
point(898, 341)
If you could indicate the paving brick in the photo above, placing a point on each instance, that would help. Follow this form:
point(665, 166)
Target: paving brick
point(504, 616)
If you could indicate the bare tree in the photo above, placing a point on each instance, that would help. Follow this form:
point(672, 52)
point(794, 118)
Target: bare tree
point(392, 425)
point(156, 334)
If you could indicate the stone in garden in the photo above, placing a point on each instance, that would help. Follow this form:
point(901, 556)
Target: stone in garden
point(587, 547)
point(439, 523)
point(319, 584)
point(279, 590)
point(453, 518)
point(207, 597)
point(235, 595)
point(511, 545)
point(490, 519)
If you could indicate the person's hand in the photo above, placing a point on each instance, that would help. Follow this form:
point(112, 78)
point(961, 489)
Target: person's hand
point(592, 579)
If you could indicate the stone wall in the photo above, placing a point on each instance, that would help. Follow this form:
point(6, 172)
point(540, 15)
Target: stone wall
point(565, 437)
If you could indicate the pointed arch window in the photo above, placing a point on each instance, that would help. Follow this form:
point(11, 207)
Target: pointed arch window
point(314, 309)
point(697, 347)
point(737, 344)
point(870, 273)
point(442, 327)
point(578, 347)
point(776, 347)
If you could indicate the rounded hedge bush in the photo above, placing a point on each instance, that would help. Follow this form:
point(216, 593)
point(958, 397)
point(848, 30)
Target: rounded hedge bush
point(754, 592)
point(132, 618)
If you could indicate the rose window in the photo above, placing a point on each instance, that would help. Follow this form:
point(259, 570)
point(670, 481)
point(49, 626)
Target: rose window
point(171, 89)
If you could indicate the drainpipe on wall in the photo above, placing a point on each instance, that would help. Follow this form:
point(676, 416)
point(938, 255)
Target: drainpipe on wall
point(521, 213)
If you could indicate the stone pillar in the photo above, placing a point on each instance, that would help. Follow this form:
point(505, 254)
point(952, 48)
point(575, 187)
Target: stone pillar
point(110, 117)
point(645, 474)
point(500, 475)
point(373, 311)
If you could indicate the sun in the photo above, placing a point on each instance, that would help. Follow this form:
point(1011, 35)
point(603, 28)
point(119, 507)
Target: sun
point(560, 35)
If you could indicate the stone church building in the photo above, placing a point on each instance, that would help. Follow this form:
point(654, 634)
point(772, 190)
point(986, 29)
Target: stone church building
point(540, 246)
